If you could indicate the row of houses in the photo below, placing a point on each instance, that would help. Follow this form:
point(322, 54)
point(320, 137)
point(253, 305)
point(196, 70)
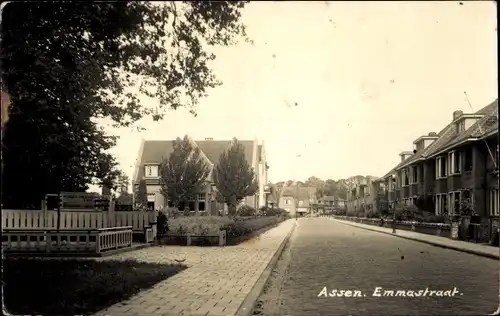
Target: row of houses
point(445, 169)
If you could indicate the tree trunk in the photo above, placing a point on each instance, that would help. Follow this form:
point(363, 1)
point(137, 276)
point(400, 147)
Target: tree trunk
point(231, 209)
point(58, 211)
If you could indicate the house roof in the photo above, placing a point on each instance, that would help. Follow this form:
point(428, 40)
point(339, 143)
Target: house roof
point(155, 151)
point(448, 137)
point(328, 198)
point(488, 121)
point(443, 137)
point(304, 192)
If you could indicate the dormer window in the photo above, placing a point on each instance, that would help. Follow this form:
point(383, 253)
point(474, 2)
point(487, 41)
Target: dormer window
point(151, 171)
point(461, 126)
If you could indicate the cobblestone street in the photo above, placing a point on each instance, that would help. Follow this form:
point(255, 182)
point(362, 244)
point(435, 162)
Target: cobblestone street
point(325, 253)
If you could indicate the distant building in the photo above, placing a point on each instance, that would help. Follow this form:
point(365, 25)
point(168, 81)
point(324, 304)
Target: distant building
point(297, 200)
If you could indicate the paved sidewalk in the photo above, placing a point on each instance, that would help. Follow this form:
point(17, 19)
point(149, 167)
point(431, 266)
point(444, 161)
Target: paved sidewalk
point(463, 246)
point(216, 283)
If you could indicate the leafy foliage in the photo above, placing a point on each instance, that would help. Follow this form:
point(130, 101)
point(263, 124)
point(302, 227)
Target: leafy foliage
point(234, 177)
point(336, 188)
point(246, 210)
point(69, 66)
point(184, 173)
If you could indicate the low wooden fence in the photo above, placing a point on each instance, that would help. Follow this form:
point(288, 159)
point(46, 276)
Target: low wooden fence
point(66, 241)
point(439, 229)
point(76, 219)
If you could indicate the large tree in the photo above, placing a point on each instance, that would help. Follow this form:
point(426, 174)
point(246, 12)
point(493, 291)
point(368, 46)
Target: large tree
point(234, 177)
point(69, 65)
point(184, 173)
point(141, 195)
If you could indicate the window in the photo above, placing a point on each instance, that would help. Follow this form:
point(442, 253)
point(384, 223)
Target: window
point(414, 175)
point(454, 162)
point(201, 197)
point(461, 126)
point(468, 159)
point(441, 204)
point(151, 171)
point(441, 171)
point(493, 202)
point(201, 206)
point(404, 177)
point(287, 201)
point(454, 202)
point(151, 206)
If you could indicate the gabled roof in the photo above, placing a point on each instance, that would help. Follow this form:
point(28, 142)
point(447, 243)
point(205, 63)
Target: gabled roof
point(488, 121)
point(443, 138)
point(155, 151)
point(448, 137)
point(304, 192)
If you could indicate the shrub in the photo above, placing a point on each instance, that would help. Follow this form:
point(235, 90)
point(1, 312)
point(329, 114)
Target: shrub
point(360, 212)
point(372, 214)
point(263, 210)
point(162, 223)
point(198, 225)
point(246, 210)
point(340, 212)
point(352, 213)
point(243, 227)
point(277, 212)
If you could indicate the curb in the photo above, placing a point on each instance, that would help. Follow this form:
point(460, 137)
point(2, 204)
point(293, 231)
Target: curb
point(246, 308)
point(432, 243)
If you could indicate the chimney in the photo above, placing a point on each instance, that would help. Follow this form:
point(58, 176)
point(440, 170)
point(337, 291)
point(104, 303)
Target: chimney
point(457, 114)
point(405, 155)
point(209, 138)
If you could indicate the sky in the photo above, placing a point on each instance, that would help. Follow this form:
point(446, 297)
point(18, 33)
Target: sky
point(367, 78)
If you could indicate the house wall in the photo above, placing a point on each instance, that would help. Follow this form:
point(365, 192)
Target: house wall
point(290, 207)
point(258, 163)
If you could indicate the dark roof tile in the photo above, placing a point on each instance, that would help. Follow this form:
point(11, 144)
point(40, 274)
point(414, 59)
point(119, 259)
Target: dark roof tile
point(448, 136)
point(155, 151)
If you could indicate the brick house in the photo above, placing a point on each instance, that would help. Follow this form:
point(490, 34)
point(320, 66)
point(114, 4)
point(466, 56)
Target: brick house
point(361, 193)
point(152, 153)
point(451, 166)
